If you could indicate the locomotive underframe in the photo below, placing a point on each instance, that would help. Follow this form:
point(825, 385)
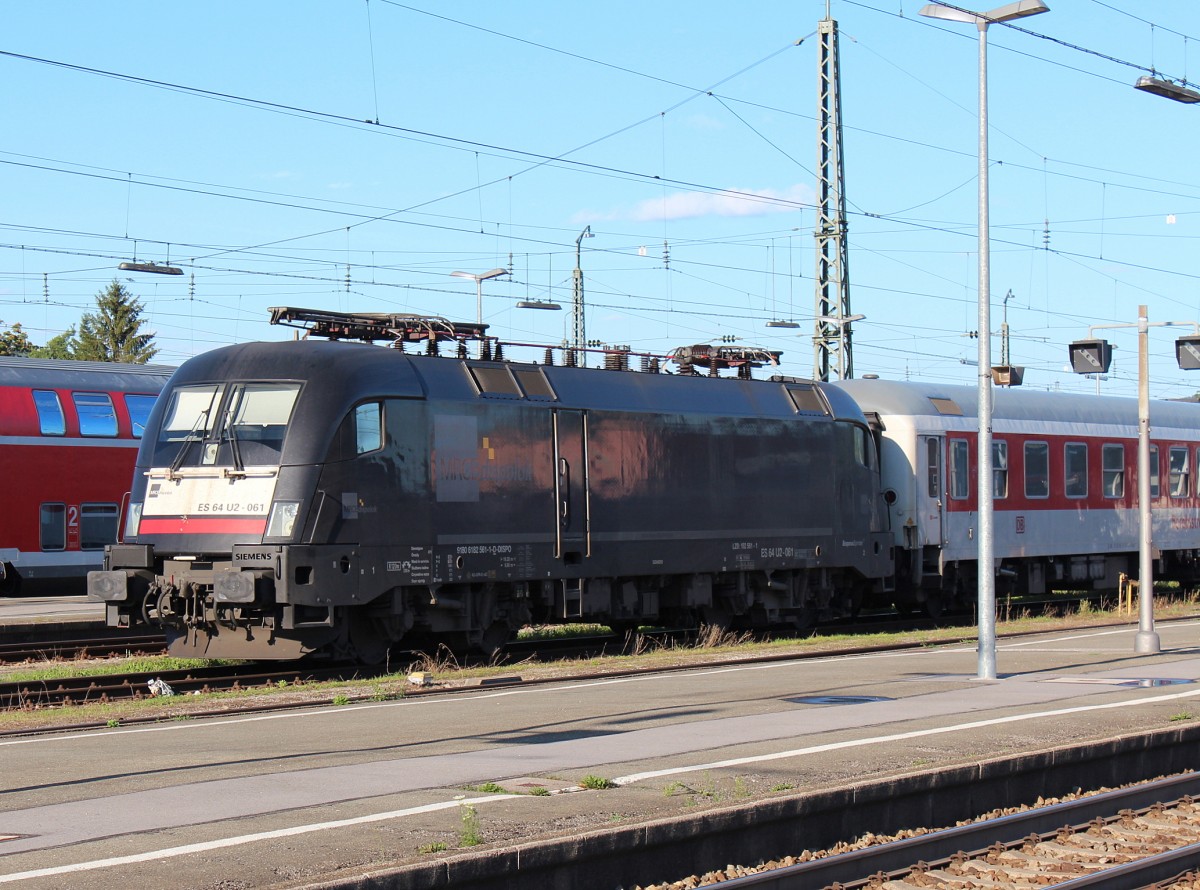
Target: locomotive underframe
point(309, 598)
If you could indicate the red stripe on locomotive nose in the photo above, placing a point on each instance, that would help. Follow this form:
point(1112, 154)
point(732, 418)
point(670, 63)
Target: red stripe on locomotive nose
point(203, 525)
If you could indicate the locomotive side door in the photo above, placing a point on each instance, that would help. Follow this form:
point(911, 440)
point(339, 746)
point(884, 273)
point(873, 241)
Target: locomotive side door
point(571, 494)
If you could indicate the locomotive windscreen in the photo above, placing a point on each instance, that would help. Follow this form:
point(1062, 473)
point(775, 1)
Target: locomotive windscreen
point(237, 424)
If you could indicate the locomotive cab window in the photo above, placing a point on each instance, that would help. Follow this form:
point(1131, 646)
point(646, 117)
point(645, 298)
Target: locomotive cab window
point(1075, 470)
point(50, 413)
point(96, 414)
point(214, 425)
point(1037, 470)
point(1113, 457)
point(368, 427)
point(1178, 473)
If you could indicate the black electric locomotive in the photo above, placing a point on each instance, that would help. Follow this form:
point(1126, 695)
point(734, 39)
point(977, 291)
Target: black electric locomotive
point(340, 496)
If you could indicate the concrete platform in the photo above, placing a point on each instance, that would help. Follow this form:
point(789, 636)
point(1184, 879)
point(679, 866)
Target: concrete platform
point(26, 619)
point(289, 799)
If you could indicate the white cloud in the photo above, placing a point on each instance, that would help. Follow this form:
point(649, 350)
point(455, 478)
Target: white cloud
point(733, 202)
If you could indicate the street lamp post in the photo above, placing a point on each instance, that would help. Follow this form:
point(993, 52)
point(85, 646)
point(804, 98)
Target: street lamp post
point(479, 280)
point(578, 333)
point(1092, 357)
point(986, 666)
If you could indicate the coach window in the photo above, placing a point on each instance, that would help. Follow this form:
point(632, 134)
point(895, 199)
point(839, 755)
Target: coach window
point(1154, 486)
point(96, 414)
point(368, 427)
point(1113, 457)
point(1178, 472)
point(139, 412)
point(1037, 470)
point(49, 412)
point(1075, 470)
point(999, 468)
point(97, 525)
point(54, 526)
point(959, 469)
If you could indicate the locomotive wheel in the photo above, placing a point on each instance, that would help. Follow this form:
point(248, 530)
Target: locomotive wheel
point(492, 641)
point(369, 638)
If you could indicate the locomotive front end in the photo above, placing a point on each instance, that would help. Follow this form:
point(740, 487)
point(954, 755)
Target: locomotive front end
point(210, 554)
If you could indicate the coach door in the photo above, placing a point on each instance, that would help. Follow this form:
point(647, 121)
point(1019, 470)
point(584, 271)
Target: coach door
point(572, 538)
point(931, 490)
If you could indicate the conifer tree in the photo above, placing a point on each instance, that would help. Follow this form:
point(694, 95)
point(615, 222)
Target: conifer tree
point(113, 332)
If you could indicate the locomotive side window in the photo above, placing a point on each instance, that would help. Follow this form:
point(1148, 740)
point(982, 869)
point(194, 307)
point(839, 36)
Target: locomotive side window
point(862, 453)
point(999, 469)
point(49, 412)
point(1037, 470)
point(368, 427)
point(1075, 470)
point(97, 525)
point(1178, 473)
point(960, 472)
point(54, 526)
point(96, 414)
point(1113, 457)
point(139, 412)
point(1154, 486)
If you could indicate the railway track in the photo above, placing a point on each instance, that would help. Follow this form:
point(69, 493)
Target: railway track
point(67, 691)
point(1142, 836)
point(96, 647)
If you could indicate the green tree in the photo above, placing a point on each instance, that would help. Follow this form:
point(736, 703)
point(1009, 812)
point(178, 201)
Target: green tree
point(62, 346)
point(15, 341)
point(113, 332)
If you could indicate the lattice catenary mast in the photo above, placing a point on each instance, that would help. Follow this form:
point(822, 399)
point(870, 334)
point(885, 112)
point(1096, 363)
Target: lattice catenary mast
point(832, 356)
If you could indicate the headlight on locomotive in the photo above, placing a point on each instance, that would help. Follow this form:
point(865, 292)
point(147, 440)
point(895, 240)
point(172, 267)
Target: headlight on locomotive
point(282, 520)
point(107, 586)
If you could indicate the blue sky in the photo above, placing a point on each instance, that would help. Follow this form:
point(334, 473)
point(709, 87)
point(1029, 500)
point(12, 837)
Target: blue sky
point(684, 135)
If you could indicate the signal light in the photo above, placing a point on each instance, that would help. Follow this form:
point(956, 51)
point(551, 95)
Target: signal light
point(1091, 356)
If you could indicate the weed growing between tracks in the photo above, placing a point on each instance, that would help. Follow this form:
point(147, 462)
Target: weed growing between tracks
point(446, 671)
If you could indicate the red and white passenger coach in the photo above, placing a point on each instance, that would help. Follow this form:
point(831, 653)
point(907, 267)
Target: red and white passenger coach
point(1065, 482)
point(69, 433)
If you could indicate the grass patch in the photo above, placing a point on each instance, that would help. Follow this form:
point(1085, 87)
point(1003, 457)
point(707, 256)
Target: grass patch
point(596, 783)
point(489, 788)
point(151, 664)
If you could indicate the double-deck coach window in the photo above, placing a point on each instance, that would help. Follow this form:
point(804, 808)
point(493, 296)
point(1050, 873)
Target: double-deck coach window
point(50, 413)
point(96, 414)
point(139, 412)
point(54, 526)
point(97, 525)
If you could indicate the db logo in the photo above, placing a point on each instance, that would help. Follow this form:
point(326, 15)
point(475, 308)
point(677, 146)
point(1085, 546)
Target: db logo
point(1020, 525)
